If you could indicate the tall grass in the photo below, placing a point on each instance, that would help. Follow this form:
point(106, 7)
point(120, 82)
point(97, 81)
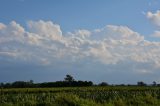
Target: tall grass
point(81, 96)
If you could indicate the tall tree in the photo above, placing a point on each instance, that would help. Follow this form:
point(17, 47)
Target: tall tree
point(69, 78)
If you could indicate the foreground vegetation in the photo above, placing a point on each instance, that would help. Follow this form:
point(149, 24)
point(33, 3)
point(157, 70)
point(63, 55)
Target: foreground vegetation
point(81, 96)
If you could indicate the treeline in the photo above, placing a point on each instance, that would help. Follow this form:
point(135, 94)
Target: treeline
point(23, 84)
point(68, 82)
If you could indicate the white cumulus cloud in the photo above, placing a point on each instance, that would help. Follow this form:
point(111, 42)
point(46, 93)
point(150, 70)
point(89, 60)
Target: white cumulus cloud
point(45, 44)
point(154, 17)
point(156, 34)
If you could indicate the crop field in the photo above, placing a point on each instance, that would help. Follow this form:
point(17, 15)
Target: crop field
point(81, 96)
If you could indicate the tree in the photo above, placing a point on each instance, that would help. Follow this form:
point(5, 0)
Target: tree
point(154, 83)
point(141, 83)
point(103, 84)
point(69, 78)
point(1, 84)
point(31, 81)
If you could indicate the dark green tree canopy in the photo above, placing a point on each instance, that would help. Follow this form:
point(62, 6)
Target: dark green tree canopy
point(103, 84)
point(69, 78)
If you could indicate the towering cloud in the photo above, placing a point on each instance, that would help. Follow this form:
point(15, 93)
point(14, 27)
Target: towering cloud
point(112, 48)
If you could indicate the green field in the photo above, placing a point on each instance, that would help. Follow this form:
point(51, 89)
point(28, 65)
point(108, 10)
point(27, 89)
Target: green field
point(81, 96)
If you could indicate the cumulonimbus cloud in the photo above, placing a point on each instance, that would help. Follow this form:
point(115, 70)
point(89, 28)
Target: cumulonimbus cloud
point(44, 43)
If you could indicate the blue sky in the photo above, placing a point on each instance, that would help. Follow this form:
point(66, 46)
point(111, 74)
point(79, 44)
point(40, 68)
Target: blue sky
point(76, 14)
point(98, 40)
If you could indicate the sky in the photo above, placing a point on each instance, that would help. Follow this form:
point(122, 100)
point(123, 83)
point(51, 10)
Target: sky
point(96, 40)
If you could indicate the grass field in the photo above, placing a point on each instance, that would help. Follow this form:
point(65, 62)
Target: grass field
point(81, 96)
